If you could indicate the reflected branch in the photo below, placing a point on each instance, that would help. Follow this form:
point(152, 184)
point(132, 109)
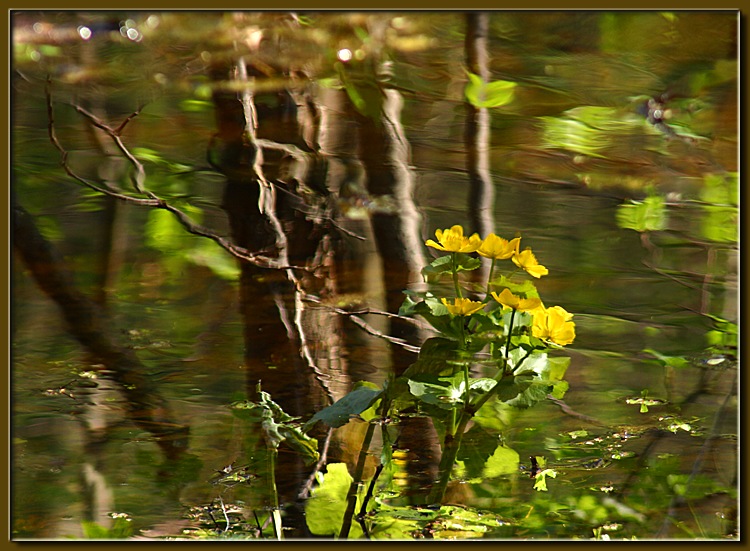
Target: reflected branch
point(87, 323)
point(354, 315)
point(152, 201)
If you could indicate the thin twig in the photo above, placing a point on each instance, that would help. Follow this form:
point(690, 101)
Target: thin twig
point(223, 510)
point(152, 201)
point(304, 493)
point(140, 173)
point(354, 316)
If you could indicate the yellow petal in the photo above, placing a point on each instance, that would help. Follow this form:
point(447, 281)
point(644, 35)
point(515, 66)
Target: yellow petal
point(528, 262)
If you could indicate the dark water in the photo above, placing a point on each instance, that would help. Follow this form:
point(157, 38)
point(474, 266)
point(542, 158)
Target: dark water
point(560, 164)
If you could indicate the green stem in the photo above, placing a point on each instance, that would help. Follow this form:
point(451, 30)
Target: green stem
point(455, 276)
point(489, 279)
point(507, 343)
point(275, 515)
point(351, 497)
point(463, 332)
point(451, 445)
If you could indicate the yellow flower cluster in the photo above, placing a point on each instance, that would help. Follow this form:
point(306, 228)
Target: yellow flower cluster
point(552, 324)
point(463, 306)
point(452, 240)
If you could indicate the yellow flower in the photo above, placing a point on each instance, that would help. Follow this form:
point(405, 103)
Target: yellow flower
point(506, 298)
point(499, 248)
point(463, 306)
point(554, 324)
point(453, 241)
point(527, 261)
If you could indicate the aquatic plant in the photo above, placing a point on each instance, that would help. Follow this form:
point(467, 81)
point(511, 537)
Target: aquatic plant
point(503, 333)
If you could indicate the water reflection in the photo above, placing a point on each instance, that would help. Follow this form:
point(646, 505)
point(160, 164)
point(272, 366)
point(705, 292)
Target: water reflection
point(336, 168)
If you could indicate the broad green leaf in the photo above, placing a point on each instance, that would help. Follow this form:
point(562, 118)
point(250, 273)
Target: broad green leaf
point(720, 224)
point(720, 189)
point(671, 361)
point(444, 392)
point(540, 482)
point(488, 94)
point(443, 266)
point(503, 461)
point(647, 215)
point(339, 413)
point(450, 522)
point(496, 415)
point(483, 385)
point(483, 455)
point(438, 356)
point(324, 511)
point(524, 289)
point(466, 263)
point(575, 136)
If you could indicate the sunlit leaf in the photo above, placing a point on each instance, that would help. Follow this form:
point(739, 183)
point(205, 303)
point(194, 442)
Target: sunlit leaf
point(642, 216)
point(503, 461)
point(540, 480)
point(671, 361)
point(483, 455)
point(435, 313)
point(443, 265)
point(720, 224)
point(449, 522)
point(575, 136)
point(324, 511)
point(444, 392)
point(524, 288)
point(488, 94)
point(196, 105)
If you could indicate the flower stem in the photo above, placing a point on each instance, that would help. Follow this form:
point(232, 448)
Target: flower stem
point(507, 343)
point(489, 278)
point(454, 269)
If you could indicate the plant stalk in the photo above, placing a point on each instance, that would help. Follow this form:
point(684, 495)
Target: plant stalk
point(351, 497)
point(455, 276)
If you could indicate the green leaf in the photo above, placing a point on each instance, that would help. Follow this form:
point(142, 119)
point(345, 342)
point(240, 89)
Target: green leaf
point(278, 426)
point(443, 266)
point(525, 288)
point(357, 401)
point(575, 136)
point(647, 215)
point(440, 266)
point(671, 361)
point(496, 415)
point(324, 511)
point(483, 455)
point(540, 482)
point(503, 461)
point(491, 94)
point(436, 314)
point(444, 392)
point(437, 356)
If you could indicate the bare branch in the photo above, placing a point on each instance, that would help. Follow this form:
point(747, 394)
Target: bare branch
point(140, 174)
point(354, 316)
point(153, 200)
point(106, 189)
